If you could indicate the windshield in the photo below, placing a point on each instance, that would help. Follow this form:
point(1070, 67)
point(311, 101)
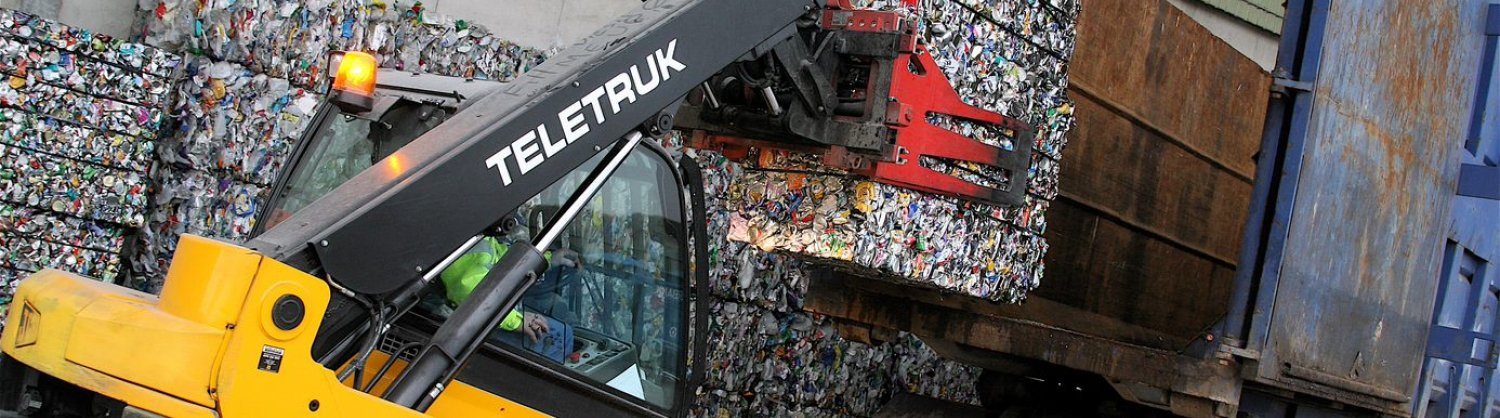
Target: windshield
point(344, 145)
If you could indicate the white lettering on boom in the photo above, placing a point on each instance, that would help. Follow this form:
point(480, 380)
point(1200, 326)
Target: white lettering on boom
point(537, 145)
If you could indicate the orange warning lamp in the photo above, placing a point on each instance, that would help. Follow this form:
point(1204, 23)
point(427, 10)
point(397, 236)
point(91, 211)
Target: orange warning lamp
point(354, 83)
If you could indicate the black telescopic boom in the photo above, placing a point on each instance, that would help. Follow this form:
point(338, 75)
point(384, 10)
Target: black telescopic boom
point(375, 230)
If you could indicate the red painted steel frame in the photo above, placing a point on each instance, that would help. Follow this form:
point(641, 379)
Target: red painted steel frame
point(917, 89)
point(925, 91)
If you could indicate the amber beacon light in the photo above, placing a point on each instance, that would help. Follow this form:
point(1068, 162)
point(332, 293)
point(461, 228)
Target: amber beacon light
point(354, 83)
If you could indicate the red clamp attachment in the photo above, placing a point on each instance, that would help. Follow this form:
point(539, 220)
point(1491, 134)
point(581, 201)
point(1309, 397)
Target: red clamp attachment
point(919, 89)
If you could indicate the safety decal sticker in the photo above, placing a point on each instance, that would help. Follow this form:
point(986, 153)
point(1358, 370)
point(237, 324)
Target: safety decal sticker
point(270, 359)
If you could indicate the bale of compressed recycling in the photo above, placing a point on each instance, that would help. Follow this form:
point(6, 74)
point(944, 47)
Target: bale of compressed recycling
point(767, 228)
point(291, 39)
point(1006, 56)
point(79, 118)
point(769, 357)
point(234, 130)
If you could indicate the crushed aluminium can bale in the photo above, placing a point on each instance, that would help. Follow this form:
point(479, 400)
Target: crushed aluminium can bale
point(770, 357)
point(67, 186)
point(55, 137)
point(291, 39)
point(788, 203)
point(36, 96)
point(31, 254)
point(79, 117)
point(54, 227)
point(59, 67)
point(131, 56)
point(32, 239)
point(768, 363)
point(764, 226)
point(234, 129)
point(233, 121)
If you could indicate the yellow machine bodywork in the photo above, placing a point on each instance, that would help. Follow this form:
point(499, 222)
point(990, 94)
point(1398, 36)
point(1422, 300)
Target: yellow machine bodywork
point(204, 348)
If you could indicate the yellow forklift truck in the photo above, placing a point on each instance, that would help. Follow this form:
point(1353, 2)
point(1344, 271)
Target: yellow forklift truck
point(341, 305)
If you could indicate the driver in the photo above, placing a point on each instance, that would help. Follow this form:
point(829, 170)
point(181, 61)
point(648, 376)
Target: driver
point(460, 279)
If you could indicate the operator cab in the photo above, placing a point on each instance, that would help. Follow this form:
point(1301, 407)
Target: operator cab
point(612, 297)
point(615, 310)
point(345, 140)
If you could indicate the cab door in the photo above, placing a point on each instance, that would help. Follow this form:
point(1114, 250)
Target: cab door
point(614, 302)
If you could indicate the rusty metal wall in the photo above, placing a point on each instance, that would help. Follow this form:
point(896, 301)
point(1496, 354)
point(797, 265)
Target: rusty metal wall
point(1354, 266)
point(1146, 228)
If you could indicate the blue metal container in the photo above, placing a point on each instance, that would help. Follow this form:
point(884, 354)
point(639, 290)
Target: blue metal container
point(1459, 372)
point(1373, 226)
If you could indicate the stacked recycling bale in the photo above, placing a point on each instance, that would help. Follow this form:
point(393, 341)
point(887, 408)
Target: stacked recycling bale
point(234, 130)
point(770, 356)
point(79, 115)
point(291, 39)
point(1006, 56)
point(762, 361)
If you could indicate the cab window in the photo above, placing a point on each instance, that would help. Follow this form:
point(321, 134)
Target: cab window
point(610, 306)
point(344, 145)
